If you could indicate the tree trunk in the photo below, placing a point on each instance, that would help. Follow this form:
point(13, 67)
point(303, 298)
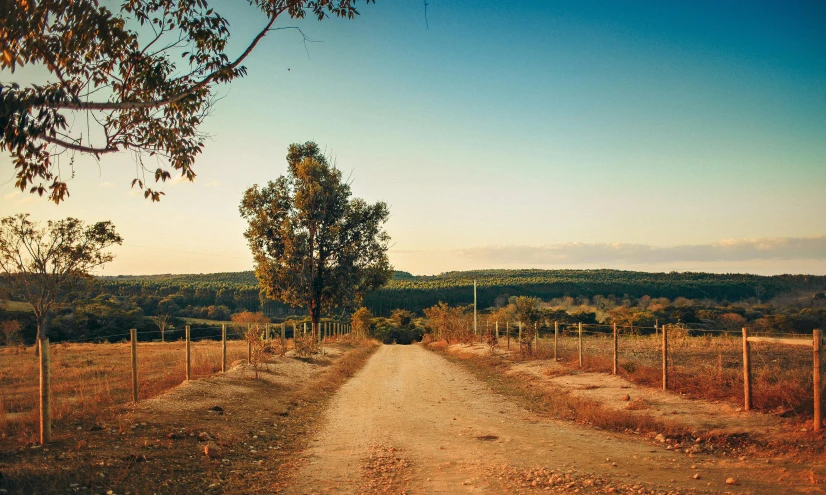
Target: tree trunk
point(163, 327)
point(45, 383)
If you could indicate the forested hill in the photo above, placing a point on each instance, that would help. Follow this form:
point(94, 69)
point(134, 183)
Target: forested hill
point(239, 290)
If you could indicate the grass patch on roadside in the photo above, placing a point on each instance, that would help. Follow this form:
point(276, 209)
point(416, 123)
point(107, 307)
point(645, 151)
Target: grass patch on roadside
point(260, 431)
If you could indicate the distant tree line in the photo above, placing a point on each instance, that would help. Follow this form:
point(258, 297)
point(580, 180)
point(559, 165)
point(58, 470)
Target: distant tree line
point(237, 291)
point(589, 296)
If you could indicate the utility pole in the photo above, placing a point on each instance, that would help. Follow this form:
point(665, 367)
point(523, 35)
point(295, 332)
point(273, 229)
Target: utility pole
point(474, 307)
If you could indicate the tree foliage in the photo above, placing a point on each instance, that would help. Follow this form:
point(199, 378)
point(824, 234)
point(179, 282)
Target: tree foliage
point(313, 245)
point(450, 323)
point(360, 322)
point(46, 267)
point(140, 78)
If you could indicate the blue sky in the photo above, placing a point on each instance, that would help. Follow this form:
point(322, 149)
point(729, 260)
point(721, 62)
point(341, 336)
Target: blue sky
point(509, 133)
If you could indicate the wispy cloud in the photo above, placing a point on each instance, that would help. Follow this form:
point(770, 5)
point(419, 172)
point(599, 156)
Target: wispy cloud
point(213, 183)
point(106, 185)
point(10, 196)
point(775, 248)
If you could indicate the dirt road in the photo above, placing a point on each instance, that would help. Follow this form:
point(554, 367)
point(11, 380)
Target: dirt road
point(412, 422)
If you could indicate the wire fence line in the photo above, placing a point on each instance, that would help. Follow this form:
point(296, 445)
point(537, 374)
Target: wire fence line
point(766, 370)
point(96, 375)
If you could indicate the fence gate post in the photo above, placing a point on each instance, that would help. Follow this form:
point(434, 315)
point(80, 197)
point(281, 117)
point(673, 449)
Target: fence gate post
point(615, 348)
point(133, 334)
point(665, 357)
point(224, 348)
point(556, 336)
point(817, 378)
point(188, 354)
point(45, 392)
point(580, 344)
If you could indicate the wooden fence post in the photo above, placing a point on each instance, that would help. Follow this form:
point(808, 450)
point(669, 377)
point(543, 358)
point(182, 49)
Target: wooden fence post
point(615, 349)
point(497, 332)
point(45, 392)
point(535, 336)
point(283, 330)
point(580, 344)
point(556, 337)
point(665, 357)
point(520, 335)
point(133, 334)
point(746, 370)
point(508, 331)
point(188, 354)
point(224, 348)
point(817, 378)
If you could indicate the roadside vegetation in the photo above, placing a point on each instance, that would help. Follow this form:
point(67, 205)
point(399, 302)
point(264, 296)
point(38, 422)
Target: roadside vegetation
point(225, 433)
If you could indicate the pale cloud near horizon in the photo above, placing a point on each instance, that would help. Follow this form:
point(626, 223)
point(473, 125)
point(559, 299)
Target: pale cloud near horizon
point(213, 183)
point(106, 185)
point(734, 250)
point(18, 197)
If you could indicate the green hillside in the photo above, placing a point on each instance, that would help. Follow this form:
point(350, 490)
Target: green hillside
point(239, 290)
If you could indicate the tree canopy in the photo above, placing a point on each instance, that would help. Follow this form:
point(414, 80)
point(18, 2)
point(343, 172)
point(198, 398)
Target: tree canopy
point(314, 245)
point(141, 78)
point(48, 266)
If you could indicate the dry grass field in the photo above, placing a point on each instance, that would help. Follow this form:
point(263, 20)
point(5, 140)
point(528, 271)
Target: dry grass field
point(707, 367)
point(87, 379)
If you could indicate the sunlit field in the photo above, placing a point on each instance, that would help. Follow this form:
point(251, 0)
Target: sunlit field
point(89, 378)
point(708, 367)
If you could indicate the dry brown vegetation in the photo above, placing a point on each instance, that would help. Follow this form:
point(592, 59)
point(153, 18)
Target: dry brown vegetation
point(88, 379)
point(252, 429)
point(707, 368)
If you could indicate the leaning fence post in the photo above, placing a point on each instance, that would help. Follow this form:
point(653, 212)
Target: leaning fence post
point(615, 348)
point(817, 378)
point(45, 392)
point(580, 344)
point(746, 370)
point(224, 348)
point(133, 334)
point(188, 354)
point(665, 357)
point(556, 337)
